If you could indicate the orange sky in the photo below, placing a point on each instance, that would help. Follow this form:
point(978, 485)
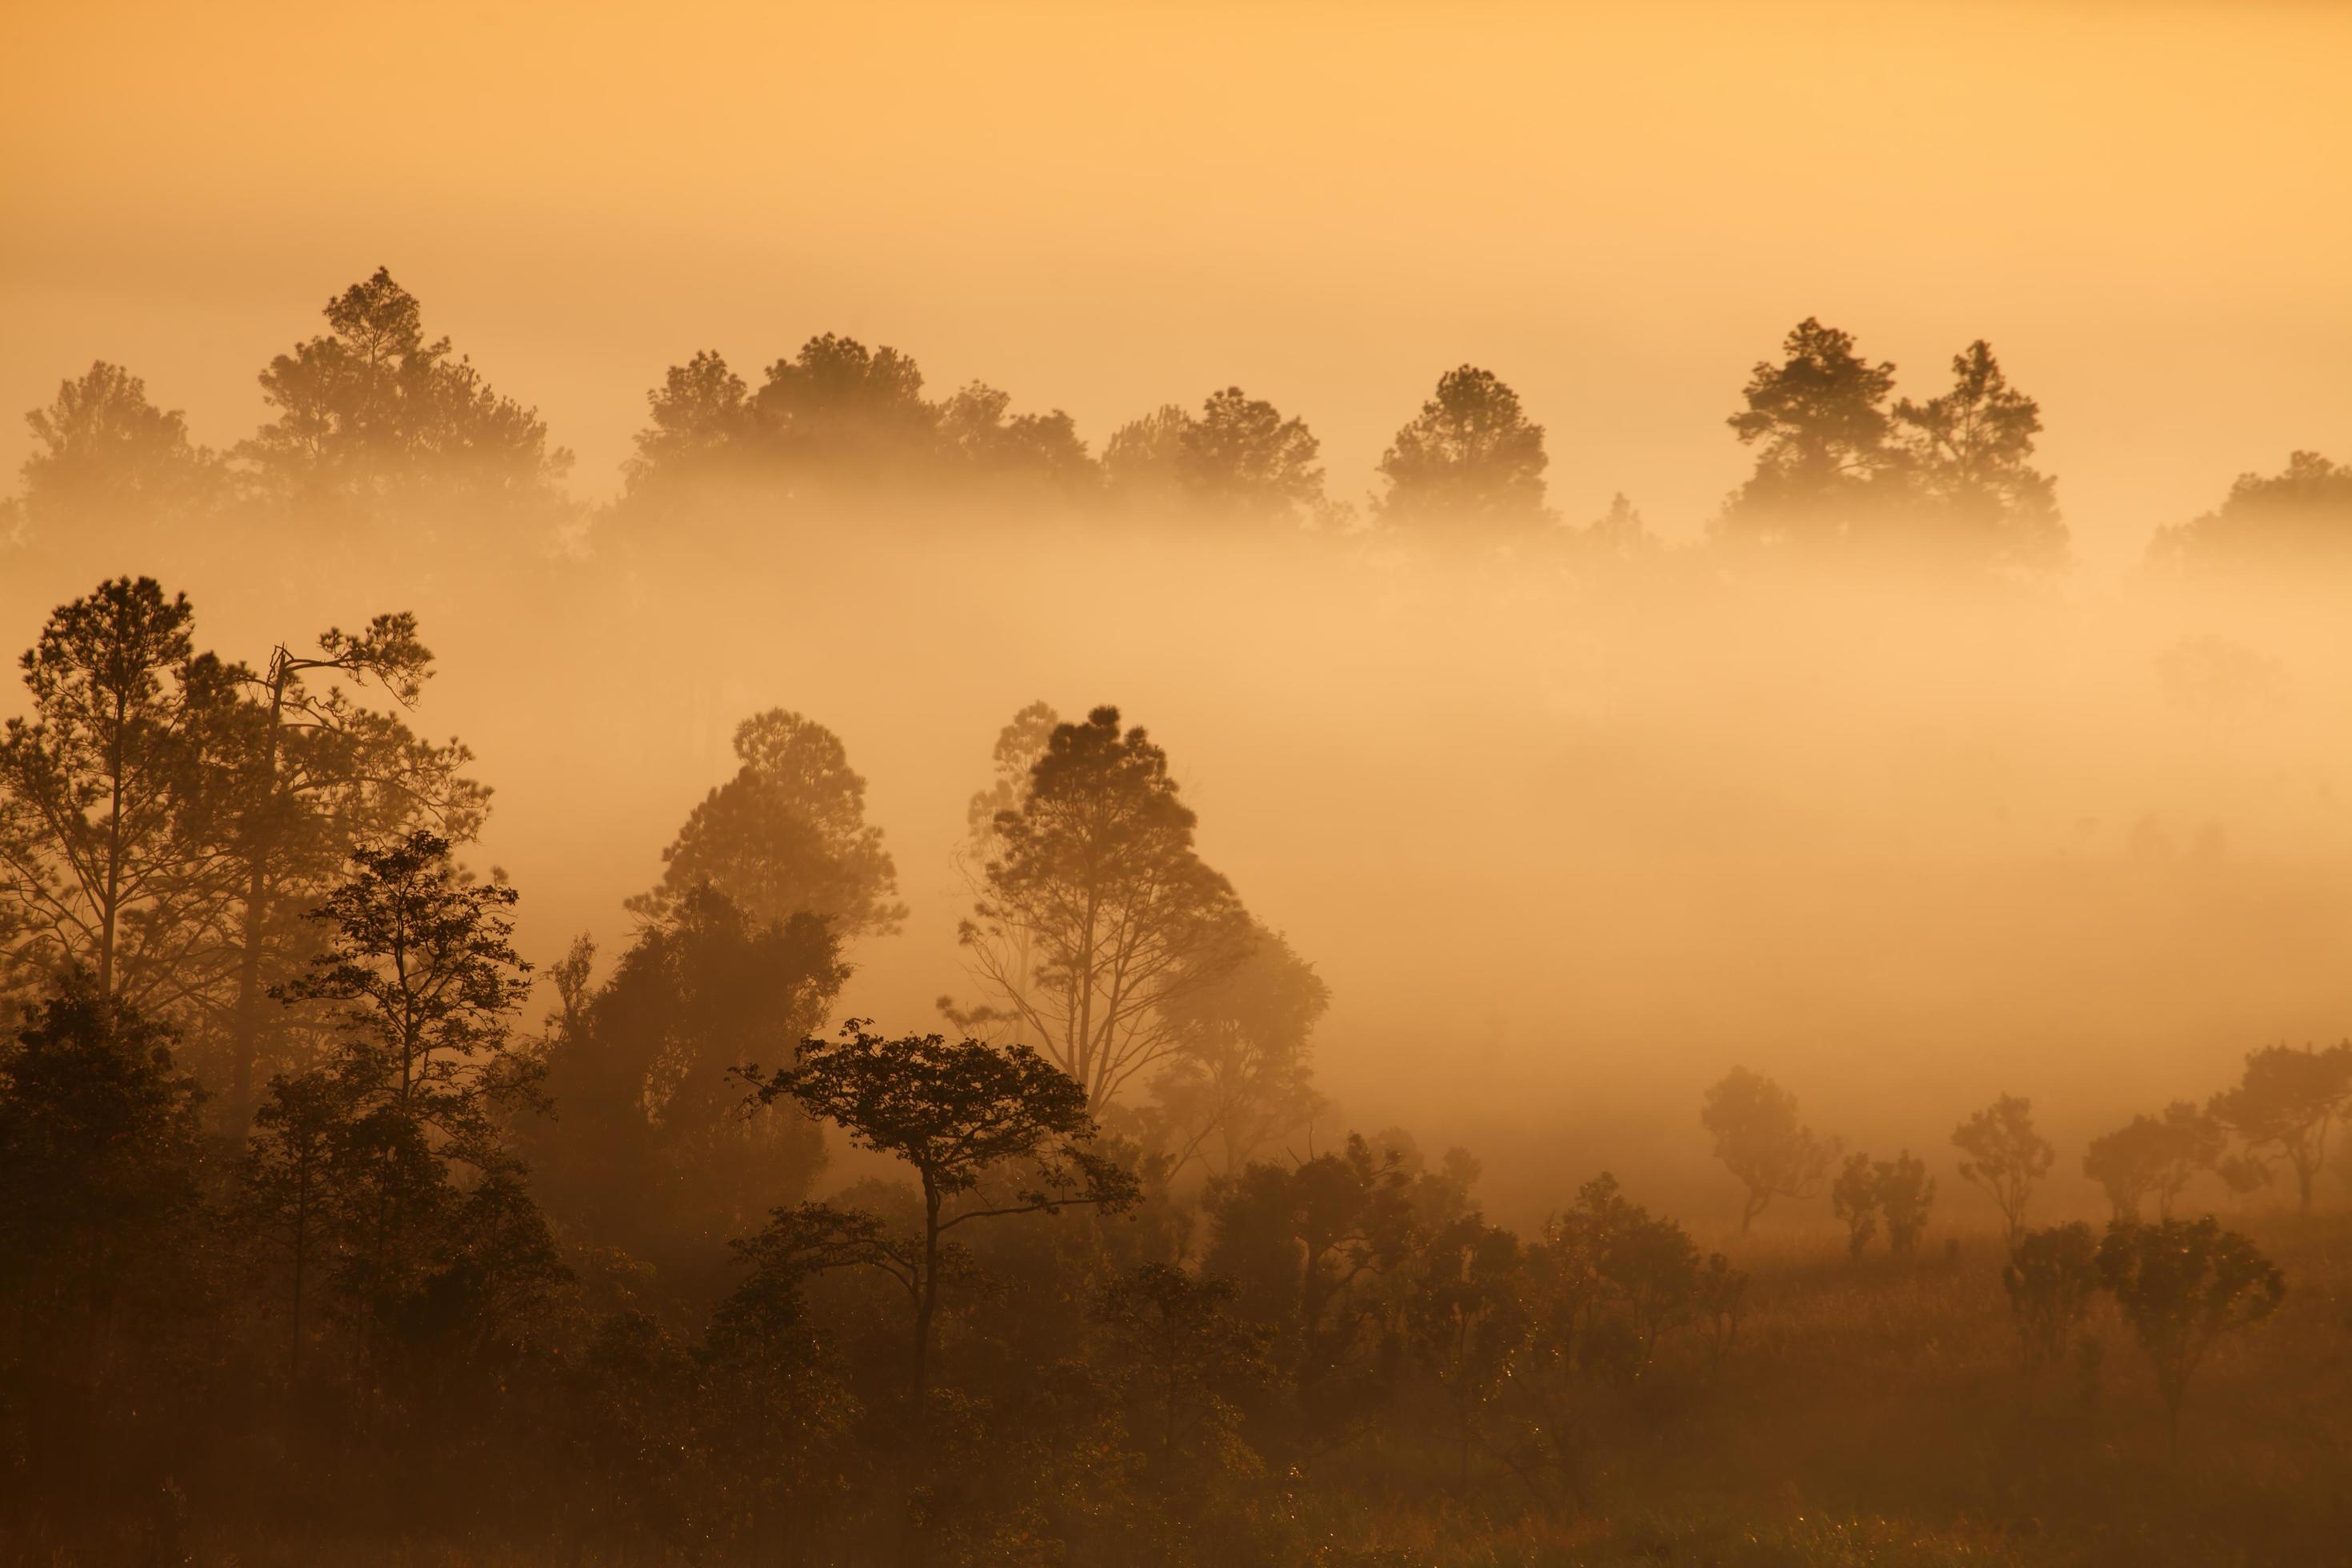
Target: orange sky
point(1617, 208)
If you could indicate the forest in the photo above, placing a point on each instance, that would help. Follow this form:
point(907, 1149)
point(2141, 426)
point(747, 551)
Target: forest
point(1811, 1038)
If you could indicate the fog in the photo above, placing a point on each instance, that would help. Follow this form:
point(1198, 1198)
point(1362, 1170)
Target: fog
point(1566, 846)
point(1867, 608)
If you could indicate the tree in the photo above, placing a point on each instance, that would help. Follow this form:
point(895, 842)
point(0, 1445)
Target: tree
point(1906, 1195)
point(653, 1147)
point(2155, 1155)
point(1024, 455)
point(1182, 1358)
point(1019, 746)
point(2006, 1158)
point(1470, 1316)
point(1854, 1198)
point(1471, 458)
point(1096, 916)
point(422, 962)
point(2285, 1107)
point(317, 772)
point(108, 800)
point(2051, 1278)
point(1753, 1122)
point(1302, 1241)
point(1241, 458)
point(2298, 520)
point(100, 1150)
point(1821, 427)
point(421, 969)
point(955, 1113)
point(1967, 457)
point(1241, 1072)
point(701, 417)
point(372, 413)
point(101, 1258)
point(2182, 1285)
point(287, 1184)
point(786, 835)
point(107, 457)
point(1140, 462)
point(1615, 537)
point(1237, 460)
point(841, 414)
point(1619, 1278)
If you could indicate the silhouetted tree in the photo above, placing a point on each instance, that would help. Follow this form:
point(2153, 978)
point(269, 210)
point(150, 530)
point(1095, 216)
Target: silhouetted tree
point(2182, 1285)
point(1141, 461)
point(99, 1149)
point(840, 415)
point(110, 800)
point(1854, 1199)
point(2051, 1276)
point(373, 412)
point(288, 1191)
point(1720, 1303)
point(1304, 1242)
point(1238, 458)
point(1471, 459)
point(422, 963)
point(954, 1112)
point(786, 835)
point(101, 1230)
point(2285, 1107)
point(1823, 433)
point(1242, 1073)
point(314, 773)
point(1618, 1279)
point(1019, 744)
point(1469, 1315)
point(1095, 915)
point(1183, 1359)
point(1968, 460)
point(1906, 1195)
point(106, 458)
point(2153, 1154)
point(701, 420)
point(1753, 1122)
point(2298, 520)
point(1615, 538)
point(1022, 455)
point(2006, 1157)
point(421, 971)
point(653, 1148)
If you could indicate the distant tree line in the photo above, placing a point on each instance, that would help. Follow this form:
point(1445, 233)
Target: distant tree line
point(372, 420)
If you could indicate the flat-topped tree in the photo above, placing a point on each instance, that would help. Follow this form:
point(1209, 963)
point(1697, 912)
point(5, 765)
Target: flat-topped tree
point(957, 1113)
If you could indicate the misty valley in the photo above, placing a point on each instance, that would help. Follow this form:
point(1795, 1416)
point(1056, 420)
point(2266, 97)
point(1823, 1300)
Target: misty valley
point(912, 989)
